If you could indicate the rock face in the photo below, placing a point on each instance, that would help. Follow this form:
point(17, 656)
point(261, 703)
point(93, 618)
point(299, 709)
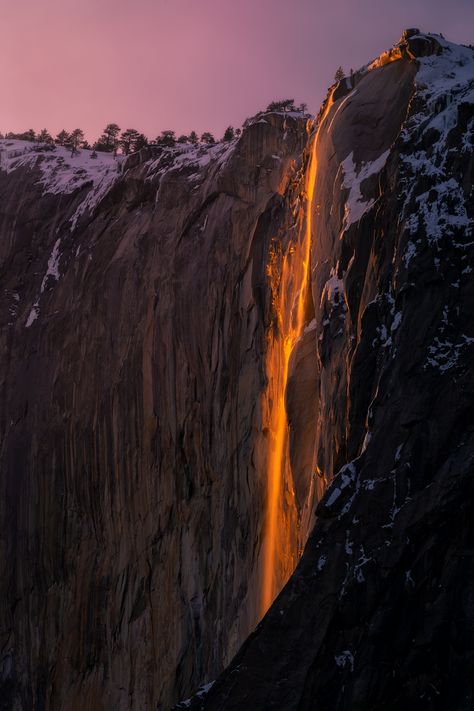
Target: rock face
point(379, 614)
point(139, 309)
point(134, 315)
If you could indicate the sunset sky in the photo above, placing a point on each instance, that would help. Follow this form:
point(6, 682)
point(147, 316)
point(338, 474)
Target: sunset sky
point(191, 64)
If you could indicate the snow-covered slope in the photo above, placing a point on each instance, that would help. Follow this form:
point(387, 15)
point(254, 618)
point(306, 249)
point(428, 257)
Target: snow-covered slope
point(60, 172)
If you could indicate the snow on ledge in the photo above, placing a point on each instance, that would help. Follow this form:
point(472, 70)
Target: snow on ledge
point(61, 173)
point(356, 206)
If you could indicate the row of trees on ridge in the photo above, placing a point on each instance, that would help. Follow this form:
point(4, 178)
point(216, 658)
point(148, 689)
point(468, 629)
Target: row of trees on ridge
point(113, 139)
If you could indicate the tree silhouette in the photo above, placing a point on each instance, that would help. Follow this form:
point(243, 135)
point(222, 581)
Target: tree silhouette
point(62, 138)
point(25, 136)
point(141, 141)
point(44, 137)
point(108, 141)
point(208, 138)
point(339, 75)
point(229, 134)
point(285, 105)
point(167, 139)
point(75, 140)
point(128, 139)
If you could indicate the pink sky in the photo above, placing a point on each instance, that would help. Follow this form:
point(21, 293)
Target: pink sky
point(191, 64)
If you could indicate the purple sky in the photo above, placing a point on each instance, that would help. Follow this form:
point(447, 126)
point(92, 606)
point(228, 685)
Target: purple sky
point(191, 64)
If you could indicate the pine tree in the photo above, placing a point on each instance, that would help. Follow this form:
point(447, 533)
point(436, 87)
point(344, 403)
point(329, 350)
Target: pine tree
point(128, 139)
point(75, 139)
point(108, 141)
point(229, 134)
point(167, 139)
point(141, 141)
point(208, 138)
point(111, 133)
point(193, 138)
point(183, 139)
point(62, 138)
point(44, 137)
point(339, 75)
point(282, 106)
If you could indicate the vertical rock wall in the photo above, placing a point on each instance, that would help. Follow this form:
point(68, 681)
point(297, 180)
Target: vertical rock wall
point(132, 354)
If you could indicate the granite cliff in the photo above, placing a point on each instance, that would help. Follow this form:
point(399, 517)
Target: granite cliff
point(378, 613)
point(134, 325)
point(172, 321)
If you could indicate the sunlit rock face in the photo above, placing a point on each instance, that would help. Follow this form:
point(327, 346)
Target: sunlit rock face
point(379, 614)
point(135, 314)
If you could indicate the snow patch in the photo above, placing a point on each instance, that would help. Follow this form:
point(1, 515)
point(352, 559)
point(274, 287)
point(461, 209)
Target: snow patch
point(444, 355)
point(33, 315)
point(344, 478)
point(345, 658)
point(333, 289)
point(397, 319)
point(321, 562)
point(353, 176)
point(53, 266)
point(200, 694)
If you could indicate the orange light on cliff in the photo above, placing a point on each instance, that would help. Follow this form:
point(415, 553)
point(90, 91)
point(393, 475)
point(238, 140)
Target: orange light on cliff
point(289, 289)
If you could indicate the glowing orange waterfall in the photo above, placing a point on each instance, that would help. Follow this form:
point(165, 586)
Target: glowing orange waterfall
point(289, 289)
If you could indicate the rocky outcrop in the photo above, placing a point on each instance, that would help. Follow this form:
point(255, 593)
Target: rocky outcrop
point(377, 614)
